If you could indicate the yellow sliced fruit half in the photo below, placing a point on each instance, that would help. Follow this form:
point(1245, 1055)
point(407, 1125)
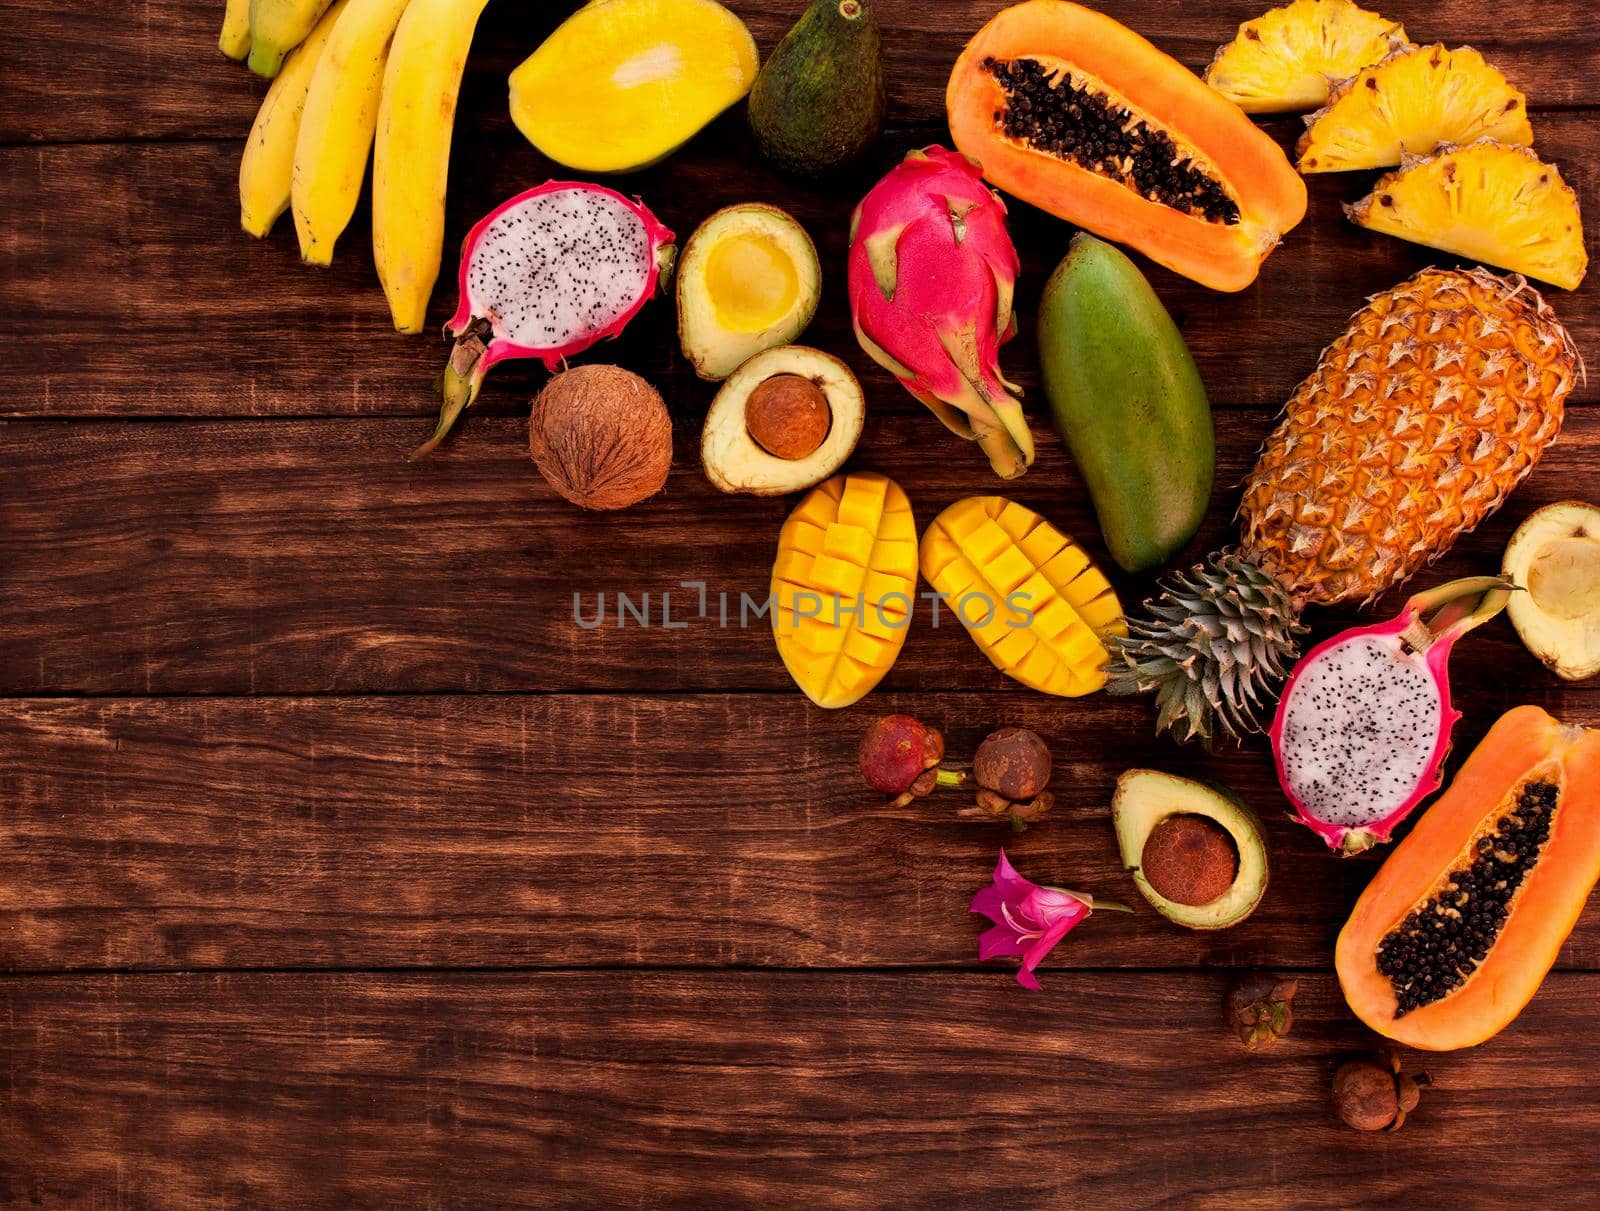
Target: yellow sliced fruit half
point(1290, 58)
point(1496, 204)
point(748, 280)
point(1555, 557)
point(1409, 104)
point(623, 83)
point(1035, 604)
point(844, 585)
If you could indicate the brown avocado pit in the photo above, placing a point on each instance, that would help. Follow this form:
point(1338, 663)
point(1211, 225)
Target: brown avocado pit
point(1190, 859)
point(1195, 851)
point(783, 421)
point(788, 416)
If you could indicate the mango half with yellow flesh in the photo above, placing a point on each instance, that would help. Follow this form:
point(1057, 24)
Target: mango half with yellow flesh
point(623, 83)
point(843, 586)
point(1039, 609)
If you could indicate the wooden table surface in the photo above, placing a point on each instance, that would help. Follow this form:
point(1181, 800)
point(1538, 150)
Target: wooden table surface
point(338, 865)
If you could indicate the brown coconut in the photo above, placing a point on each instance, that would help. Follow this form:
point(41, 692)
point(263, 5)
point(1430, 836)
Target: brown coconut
point(601, 436)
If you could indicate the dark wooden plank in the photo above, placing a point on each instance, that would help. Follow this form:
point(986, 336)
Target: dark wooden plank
point(141, 296)
point(307, 557)
point(160, 76)
point(634, 1090)
point(571, 831)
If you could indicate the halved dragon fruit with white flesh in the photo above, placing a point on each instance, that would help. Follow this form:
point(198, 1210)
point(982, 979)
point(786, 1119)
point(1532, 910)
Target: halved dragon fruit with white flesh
point(546, 274)
point(1363, 726)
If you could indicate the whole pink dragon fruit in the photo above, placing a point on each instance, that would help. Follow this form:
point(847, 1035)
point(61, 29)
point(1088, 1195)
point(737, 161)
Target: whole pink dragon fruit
point(546, 274)
point(1364, 722)
point(931, 274)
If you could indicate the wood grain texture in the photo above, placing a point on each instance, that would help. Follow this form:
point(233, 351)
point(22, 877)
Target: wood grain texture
point(307, 557)
point(71, 73)
point(141, 296)
point(341, 717)
point(569, 831)
point(850, 1090)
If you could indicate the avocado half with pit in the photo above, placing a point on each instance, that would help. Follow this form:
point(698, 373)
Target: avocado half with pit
point(785, 420)
point(1195, 851)
point(748, 280)
point(1555, 557)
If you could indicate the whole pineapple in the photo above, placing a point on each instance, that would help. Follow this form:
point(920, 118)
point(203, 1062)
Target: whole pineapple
point(1416, 424)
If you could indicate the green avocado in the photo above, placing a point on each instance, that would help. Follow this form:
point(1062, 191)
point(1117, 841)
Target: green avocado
point(1145, 801)
point(819, 101)
point(1127, 400)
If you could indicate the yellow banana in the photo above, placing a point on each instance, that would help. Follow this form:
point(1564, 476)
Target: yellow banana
point(267, 170)
point(277, 27)
point(411, 155)
point(235, 40)
point(330, 156)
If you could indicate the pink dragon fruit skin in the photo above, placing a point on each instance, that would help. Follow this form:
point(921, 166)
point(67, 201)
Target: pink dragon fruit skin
point(1363, 725)
point(932, 271)
point(545, 275)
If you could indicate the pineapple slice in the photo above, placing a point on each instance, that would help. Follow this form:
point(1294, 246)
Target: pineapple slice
point(1493, 203)
point(1291, 57)
point(1410, 103)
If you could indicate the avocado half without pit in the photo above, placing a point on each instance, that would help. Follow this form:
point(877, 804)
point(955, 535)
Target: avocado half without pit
point(1195, 852)
point(785, 420)
point(748, 280)
point(1555, 557)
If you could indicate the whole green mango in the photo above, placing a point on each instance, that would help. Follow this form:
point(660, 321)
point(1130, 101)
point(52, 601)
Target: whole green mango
point(1127, 400)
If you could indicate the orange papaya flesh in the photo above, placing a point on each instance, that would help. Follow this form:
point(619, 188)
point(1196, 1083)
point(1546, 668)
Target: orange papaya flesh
point(1527, 757)
point(1075, 113)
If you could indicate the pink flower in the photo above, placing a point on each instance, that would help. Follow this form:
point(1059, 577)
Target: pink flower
point(1028, 919)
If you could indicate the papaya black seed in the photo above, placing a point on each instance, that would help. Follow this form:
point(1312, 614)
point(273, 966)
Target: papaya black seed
point(1074, 123)
point(1438, 946)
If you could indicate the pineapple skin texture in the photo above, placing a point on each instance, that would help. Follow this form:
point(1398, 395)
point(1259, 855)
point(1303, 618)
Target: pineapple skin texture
point(1438, 399)
point(1030, 597)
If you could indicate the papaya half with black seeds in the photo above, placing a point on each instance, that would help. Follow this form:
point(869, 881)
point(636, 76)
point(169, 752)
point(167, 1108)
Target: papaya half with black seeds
point(1071, 111)
point(1458, 929)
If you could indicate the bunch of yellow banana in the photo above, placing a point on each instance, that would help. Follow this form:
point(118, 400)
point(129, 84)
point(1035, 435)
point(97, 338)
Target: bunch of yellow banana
point(264, 31)
point(356, 76)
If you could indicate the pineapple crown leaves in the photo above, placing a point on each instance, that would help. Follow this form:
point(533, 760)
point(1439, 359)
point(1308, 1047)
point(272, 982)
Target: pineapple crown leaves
point(1219, 641)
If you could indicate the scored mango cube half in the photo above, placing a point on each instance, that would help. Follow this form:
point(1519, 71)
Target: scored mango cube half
point(843, 586)
point(1039, 609)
